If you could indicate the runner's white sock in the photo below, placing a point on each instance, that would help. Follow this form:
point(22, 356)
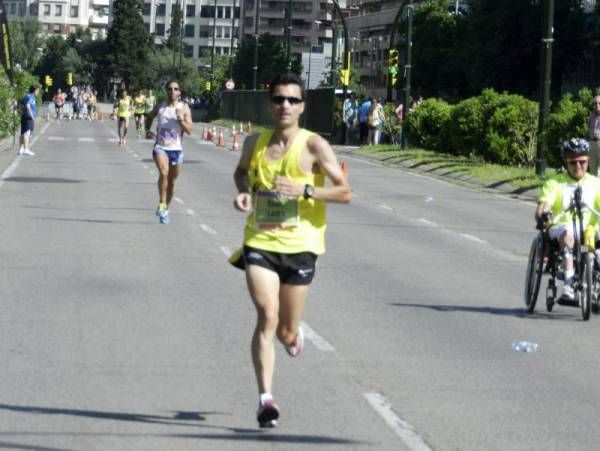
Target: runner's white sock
point(264, 397)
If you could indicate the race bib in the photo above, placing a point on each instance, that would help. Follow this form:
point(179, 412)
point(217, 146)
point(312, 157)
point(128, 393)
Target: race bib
point(273, 211)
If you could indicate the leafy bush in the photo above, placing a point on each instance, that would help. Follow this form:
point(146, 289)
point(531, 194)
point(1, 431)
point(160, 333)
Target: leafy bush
point(511, 132)
point(391, 127)
point(466, 128)
point(428, 124)
point(569, 119)
point(9, 121)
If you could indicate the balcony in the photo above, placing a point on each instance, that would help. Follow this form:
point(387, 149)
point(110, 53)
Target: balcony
point(100, 2)
point(98, 21)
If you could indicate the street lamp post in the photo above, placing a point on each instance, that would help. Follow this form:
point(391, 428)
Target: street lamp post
point(407, 69)
point(289, 36)
point(545, 81)
point(255, 66)
point(212, 53)
point(231, 44)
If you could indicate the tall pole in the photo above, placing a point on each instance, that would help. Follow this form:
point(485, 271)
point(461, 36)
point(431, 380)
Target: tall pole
point(231, 44)
point(345, 62)
point(212, 53)
point(289, 36)
point(181, 27)
point(407, 69)
point(333, 51)
point(392, 45)
point(545, 81)
point(308, 73)
point(255, 67)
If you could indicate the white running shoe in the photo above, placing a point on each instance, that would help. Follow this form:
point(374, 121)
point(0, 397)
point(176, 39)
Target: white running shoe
point(267, 414)
point(568, 293)
point(297, 345)
point(26, 152)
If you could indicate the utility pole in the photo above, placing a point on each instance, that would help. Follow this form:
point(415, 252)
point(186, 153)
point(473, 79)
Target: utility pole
point(407, 69)
point(289, 36)
point(231, 45)
point(212, 53)
point(545, 81)
point(255, 67)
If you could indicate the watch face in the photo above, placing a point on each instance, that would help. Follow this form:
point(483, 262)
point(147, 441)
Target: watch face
point(309, 190)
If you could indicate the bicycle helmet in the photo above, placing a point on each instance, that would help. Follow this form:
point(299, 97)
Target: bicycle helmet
point(574, 147)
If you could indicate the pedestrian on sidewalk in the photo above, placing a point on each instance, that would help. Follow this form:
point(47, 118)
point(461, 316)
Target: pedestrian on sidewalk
point(281, 177)
point(363, 116)
point(174, 118)
point(594, 136)
point(28, 114)
point(350, 117)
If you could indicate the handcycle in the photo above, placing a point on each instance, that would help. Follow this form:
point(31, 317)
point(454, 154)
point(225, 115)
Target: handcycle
point(545, 257)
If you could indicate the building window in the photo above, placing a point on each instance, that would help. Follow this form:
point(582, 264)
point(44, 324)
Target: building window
point(189, 31)
point(147, 9)
point(220, 12)
point(58, 10)
point(190, 10)
point(227, 32)
point(46, 10)
point(225, 50)
point(160, 29)
point(207, 11)
point(249, 4)
point(188, 50)
point(161, 9)
point(21, 9)
point(204, 30)
point(248, 22)
point(72, 29)
point(33, 9)
point(219, 33)
point(13, 8)
point(56, 28)
point(147, 27)
point(74, 12)
point(228, 12)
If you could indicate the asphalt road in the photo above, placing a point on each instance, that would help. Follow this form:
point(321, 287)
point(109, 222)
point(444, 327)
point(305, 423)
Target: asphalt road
point(119, 333)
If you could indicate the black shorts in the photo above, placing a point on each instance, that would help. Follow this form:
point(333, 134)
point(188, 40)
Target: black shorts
point(26, 125)
point(292, 269)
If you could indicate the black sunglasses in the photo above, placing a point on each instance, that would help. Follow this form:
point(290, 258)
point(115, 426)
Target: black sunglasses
point(171, 88)
point(278, 100)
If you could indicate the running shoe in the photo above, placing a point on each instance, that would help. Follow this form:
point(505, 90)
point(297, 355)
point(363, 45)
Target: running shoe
point(26, 152)
point(295, 348)
point(267, 414)
point(163, 215)
point(568, 294)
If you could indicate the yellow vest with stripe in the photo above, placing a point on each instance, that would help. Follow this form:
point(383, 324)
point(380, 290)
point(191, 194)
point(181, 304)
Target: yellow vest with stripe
point(309, 234)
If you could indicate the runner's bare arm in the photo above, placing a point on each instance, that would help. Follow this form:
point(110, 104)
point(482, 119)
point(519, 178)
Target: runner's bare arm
point(325, 159)
point(243, 200)
point(186, 122)
point(150, 117)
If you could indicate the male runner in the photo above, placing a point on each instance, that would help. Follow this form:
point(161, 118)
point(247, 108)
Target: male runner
point(150, 102)
point(281, 177)
point(28, 113)
point(139, 103)
point(174, 118)
point(59, 101)
point(123, 106)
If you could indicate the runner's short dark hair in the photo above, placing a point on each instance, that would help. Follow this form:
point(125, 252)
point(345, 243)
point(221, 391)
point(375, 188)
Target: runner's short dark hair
point(32, 88)
point(288, 78)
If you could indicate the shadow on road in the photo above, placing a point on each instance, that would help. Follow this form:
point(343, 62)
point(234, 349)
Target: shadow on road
point(41, 180)
point(179, 418)
point(516, 312)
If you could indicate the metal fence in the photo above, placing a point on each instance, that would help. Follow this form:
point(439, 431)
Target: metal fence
point(254, 106)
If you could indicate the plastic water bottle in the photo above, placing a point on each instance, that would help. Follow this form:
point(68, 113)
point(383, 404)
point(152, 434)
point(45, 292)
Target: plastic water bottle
point(524, 346)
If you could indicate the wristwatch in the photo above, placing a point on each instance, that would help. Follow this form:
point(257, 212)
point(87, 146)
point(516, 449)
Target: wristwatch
point(309, 191)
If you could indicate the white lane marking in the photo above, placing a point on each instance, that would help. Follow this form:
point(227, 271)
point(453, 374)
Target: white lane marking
point(404, 430)
point(317, 340)
point(178, 200)
point(9, 170)
point(190, 212)
point(56, 138)
point(113, 140)
point(473, 238)
point(85, 139)
point(146, 166)
point(135, 155)
point(386, 207)
point(208, 229)
point(428, 222)
point(226, 250)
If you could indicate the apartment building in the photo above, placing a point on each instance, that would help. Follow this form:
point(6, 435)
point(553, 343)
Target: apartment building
point(200, 19)
point(63, 16)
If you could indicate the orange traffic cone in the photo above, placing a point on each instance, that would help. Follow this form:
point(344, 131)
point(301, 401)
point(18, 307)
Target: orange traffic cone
point(221, 142)
point(249, 131)
point(204, 134)
point(235, 147)
point(214, 133)
point(233, 132)
point(209, 135)
point(241, 128)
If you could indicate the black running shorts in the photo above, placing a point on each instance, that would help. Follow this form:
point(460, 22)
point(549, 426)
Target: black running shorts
point(292, 269)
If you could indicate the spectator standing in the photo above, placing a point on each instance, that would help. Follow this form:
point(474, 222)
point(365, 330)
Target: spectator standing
point(350, 116)
point(363, 115)
point(594, 135)
point(375, 121)
point(28, 113)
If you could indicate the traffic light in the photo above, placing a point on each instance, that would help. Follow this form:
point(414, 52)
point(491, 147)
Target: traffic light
point(207, 85)
point(48, 80)
point(69, 78)
point(394, 65)
point(345, 77)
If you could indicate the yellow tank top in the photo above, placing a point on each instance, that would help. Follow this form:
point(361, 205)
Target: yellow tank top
point(309, 233)
point(123, 106)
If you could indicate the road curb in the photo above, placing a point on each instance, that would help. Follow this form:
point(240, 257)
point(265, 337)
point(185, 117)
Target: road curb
point(451, 176)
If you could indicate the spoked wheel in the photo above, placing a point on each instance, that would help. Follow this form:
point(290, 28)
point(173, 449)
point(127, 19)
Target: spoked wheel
point(587, 285)
point(533, 276)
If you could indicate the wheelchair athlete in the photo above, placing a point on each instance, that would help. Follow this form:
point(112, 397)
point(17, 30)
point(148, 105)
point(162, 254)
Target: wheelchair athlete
point(555, 197)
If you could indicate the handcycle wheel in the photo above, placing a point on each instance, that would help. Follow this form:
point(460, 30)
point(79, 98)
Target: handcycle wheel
point(587, 285)
point(533, 275)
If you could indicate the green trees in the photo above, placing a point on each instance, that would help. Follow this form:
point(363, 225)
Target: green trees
point(129, 44)
point(271, 61)
point(26, 43)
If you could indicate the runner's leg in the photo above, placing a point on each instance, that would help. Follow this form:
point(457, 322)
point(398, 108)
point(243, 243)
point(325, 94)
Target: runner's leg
point(162, 164)
point(174, 171)
point(291, 308)
point(263, 285)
